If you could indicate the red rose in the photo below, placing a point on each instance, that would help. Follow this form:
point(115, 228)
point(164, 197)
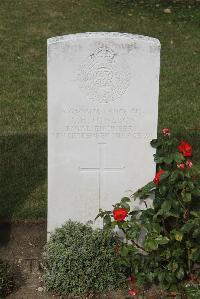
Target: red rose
point(181, 166)
point(166, 131)
point(185, 148)
point(120, 214)
point(157, 176)
point(132, 292)
point(189, 163)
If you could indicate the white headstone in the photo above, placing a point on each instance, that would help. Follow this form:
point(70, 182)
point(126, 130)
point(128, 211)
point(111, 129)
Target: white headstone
point(102, 113)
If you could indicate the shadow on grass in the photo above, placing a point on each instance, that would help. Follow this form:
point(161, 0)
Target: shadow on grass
point(23, 167)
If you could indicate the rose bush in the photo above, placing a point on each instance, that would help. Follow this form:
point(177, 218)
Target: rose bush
point(162, 242)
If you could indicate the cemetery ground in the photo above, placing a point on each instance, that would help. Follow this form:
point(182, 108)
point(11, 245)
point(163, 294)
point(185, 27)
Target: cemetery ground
point(23, 250)
point(24, 28)
point(22, 243)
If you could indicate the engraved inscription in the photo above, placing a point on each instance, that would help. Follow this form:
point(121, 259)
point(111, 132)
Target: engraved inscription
point(104, 77)
point(101, 123)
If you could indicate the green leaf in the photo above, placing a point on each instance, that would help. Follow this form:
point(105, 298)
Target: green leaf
point(98, 216)
point(187, 173)
point(155, 227)
point(181, 174)
point(102, 213)
point(150, 245)
point(174, 176)
point(166, 205)
point(195, 214)
point(125, 206)
point(187, 227)
point(168, 160)
point(125, 199)
point(131, 235)
point(172, 266)
point(124, 250)
point(134, 213)
point(162, 189)
point(178, 236)
point(173, 214)
point(125, 225)
point(196, 233)
point(186, 196)
point(158, 159)
point(181, 185)
point(154, 143)
point(178, 158)
point(164, 175)
point(180, 273)
point(190, 185)
point(107, 220)
point(113, 224)
point(162, 240)
point(144, 192)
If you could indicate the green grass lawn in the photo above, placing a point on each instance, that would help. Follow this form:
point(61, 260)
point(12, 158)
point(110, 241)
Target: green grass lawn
point(25, 26)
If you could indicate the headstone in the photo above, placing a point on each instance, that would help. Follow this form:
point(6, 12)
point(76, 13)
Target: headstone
point(102, 113)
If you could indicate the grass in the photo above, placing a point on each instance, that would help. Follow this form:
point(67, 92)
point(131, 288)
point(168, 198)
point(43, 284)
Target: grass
point(24, 27)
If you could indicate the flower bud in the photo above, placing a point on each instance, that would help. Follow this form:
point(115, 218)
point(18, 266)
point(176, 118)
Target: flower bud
point(166, 131)
point(181, 166)
point(189, 163)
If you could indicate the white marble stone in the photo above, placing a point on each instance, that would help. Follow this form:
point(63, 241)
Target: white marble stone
point(102, 113)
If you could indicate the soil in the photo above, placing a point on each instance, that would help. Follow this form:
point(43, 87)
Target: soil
point(21, 244)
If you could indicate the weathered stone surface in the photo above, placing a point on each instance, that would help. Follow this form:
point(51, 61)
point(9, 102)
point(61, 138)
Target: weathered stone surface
point(102, 113)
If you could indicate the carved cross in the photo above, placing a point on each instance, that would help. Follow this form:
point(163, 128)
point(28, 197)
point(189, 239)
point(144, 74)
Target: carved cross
point(101, 169)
